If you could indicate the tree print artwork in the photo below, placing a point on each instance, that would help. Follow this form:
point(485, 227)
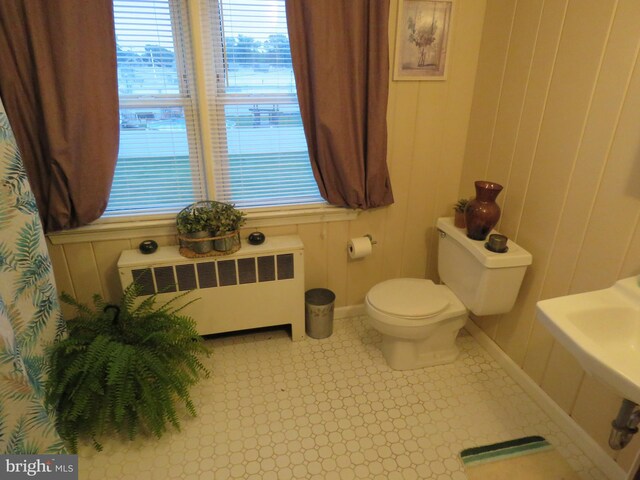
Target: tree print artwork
point(422, 37)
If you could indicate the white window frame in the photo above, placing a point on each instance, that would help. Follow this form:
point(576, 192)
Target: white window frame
point(163, 225)
point(212, 97)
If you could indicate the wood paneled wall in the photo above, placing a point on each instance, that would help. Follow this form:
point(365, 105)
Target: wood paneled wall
point(427, 124)
point(556, 120)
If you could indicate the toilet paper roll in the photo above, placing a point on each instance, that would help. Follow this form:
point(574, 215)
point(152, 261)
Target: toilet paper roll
point(359, 247)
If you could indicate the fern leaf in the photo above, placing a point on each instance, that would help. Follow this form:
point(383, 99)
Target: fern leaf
point(27, 245)
point(129, 297)
point(26, 203)
point(8, 261)
point(99, 302)
point(14, 386)
point(61, 327)
point(56, 448)
point(13, 314)
point(31, 447)
point(7, 356)
point(46, 304)
point(5, 128)
point(37, 417)
point(7, 213)
point(15, 176)
point(10, 353)
point(3, 421)
point(34, 368)
point(16, 440)
point(32, 274)
point(168, 306)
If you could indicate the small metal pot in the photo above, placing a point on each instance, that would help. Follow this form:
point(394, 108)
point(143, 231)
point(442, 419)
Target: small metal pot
point(497, 243)
point(204, 246)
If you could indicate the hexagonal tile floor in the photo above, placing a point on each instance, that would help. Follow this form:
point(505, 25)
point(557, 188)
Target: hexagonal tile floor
point(332, 409)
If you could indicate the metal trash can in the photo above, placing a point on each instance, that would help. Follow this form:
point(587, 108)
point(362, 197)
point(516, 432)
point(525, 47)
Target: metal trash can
point(318, 312)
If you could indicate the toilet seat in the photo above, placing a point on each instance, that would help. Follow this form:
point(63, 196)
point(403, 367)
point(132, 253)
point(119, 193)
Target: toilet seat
point(409, 298)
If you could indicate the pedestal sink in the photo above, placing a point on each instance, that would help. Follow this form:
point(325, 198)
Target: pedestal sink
point(602, 330)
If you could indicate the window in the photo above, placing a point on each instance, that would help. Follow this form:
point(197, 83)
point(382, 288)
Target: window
point(224, 124)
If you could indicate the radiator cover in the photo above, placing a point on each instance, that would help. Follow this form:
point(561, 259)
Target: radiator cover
point(258, 286)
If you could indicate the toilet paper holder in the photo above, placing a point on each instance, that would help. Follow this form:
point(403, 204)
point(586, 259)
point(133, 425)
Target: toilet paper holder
point(360, 247)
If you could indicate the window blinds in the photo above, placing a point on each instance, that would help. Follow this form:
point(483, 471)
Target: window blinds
point(253, 132)
point(260, 151)
point(159, 164)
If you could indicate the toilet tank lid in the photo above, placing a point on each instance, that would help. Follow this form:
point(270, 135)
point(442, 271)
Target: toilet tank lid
point(516, 256)
point(408, 297)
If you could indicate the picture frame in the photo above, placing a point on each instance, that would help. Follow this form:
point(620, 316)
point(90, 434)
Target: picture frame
point(423, 35)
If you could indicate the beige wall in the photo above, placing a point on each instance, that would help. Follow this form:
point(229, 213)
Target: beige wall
point(427, 130)
point(556, 120)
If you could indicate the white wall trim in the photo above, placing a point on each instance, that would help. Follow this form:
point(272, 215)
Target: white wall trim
point(348, 311)
point(581, 438)
point(165, 225)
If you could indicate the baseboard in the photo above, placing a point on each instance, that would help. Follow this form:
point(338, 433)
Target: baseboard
point(581, 438)
point(349, 311)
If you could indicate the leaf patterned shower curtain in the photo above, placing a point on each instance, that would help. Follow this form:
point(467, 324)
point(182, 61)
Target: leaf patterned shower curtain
point(29, 310)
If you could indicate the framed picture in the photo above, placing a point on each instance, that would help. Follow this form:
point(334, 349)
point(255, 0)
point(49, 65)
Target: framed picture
point(422, 39)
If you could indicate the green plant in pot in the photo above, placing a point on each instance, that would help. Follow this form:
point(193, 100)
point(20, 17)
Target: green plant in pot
point(123, 368)
point(226, 219)
point(195, 222)
point(459, 209)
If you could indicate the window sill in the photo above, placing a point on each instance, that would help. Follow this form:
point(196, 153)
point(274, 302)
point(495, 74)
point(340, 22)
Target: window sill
point(117, 229)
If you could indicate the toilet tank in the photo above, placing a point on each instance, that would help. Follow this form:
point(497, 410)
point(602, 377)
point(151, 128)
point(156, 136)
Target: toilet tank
point(486, 282)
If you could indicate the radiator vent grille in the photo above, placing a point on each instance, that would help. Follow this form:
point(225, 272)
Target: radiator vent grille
point(186, 275)
point(212, 274)
point(227, 273)
point(144, 278)
point(266, 269)
point(207, 274)
point(247, 270)
point(165, 280)
point(285, 266)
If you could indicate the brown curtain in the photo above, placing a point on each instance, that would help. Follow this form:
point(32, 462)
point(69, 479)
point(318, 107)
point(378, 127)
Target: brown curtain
point(341, 63)
point(58, 83)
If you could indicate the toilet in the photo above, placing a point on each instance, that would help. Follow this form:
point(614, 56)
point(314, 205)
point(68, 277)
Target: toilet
point(419, 320)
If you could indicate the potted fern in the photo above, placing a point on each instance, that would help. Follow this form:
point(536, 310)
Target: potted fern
point(123, 368)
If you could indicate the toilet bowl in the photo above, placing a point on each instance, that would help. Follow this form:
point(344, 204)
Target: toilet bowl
point(418, 321)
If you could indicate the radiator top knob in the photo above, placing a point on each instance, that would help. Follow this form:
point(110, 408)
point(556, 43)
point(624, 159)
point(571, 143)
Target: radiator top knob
point(256, 238)
point(148, 246)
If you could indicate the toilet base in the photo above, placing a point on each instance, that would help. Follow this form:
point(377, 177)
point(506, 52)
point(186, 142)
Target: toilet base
point(436, 349)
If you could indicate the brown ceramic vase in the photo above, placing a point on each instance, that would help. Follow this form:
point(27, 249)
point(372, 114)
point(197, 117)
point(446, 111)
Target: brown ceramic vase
point(482, 213)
